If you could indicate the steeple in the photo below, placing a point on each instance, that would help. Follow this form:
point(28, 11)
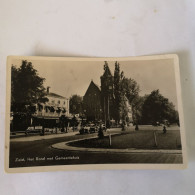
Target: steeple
point(107, 71)
point(107, 101)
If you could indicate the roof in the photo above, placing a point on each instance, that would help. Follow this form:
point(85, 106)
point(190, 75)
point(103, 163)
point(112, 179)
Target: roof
point(93, 84)
point(96, 85)
point(107, 71)
point(55, 95)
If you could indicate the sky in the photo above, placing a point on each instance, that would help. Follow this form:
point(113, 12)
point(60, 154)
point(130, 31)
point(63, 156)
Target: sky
point(73, 77)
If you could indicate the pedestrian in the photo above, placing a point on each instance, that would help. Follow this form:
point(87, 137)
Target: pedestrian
point(136, 127)
point(164, 129)
point(108, 124)
point(100, 132)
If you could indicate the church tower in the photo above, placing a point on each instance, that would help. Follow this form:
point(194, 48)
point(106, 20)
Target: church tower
point(107, 91)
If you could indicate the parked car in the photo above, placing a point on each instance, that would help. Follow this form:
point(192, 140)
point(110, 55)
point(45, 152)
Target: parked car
point(32, 129)
point(87, 128)
point(103, 127)
point(93, 128)
point(84, 129)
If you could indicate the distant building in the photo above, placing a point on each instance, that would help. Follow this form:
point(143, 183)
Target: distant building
point(99, 103)
point(92, 102)
point(55, 107)
point(129, 110)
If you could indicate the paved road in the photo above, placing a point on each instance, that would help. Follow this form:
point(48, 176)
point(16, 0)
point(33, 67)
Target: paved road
point(40, 153)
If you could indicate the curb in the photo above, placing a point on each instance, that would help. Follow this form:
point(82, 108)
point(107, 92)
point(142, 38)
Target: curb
point(65, 146)
point(30, 138)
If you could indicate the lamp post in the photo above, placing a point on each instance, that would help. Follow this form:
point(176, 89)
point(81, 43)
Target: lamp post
point(136, 125)
point(108, 96)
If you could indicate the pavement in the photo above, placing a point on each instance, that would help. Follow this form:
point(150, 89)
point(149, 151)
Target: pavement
point(43, 146)
point(21, 137)
point(27, 138)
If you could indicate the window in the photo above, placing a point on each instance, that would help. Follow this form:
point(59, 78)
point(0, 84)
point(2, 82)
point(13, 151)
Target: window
point(64, 102)
point(58, 101)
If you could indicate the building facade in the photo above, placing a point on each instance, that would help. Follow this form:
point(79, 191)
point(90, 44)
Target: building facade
point(99, 103)
point(92, 102)
point(52, 110)
point(107, 93)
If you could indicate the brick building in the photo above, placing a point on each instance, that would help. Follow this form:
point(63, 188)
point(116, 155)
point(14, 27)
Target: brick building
point(92, 102)
point(99, 103)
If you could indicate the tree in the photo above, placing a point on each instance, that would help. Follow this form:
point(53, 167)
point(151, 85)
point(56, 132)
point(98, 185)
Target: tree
point(137, 108)
point(26, 90)
point(117, 91)
point(76, 104)
point(26, 87)
point(130, 88)
point(125, 89)
point(158, 108)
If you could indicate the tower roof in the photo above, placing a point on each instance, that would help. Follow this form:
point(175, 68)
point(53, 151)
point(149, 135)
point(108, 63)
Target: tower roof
point(107, 71)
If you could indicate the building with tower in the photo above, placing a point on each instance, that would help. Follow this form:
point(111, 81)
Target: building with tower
point(92, 102)
point(99, 102)
point(107, 93)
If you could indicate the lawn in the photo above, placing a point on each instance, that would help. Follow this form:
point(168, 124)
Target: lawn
point(144, 139)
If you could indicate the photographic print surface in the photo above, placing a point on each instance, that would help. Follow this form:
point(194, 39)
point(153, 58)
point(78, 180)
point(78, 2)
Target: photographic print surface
point(94, 113)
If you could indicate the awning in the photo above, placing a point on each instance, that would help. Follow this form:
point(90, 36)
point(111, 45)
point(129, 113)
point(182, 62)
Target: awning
point(46, 117)
point(40, 106)
point(52, 109)
point(58, 109)
point(49, 107)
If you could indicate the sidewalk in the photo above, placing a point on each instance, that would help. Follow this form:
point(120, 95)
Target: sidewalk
point(26, 138)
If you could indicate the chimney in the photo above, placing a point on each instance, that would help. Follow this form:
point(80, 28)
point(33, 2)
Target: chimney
point(48, 90)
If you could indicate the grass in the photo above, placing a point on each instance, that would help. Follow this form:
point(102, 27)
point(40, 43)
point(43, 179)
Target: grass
point(144, 139)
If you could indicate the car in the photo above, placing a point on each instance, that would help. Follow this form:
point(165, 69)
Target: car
point(86, 129)
point(103, 127)
point(93, 128)
point(32, 129)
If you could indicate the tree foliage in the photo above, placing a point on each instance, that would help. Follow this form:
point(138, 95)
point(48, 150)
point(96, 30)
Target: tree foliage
point(137, 107)
point(26, 87)
point(158, 108)
point(125, 89)
point(117, 91)
point(76, 104)
point(130, 88)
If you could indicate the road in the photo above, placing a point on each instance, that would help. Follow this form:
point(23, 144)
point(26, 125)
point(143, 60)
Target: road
point(40, 153)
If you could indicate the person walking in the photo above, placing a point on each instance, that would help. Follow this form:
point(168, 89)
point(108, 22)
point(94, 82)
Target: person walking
point(164, 129)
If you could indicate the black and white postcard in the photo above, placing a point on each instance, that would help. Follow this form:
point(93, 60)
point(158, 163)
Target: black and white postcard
point(94, 113)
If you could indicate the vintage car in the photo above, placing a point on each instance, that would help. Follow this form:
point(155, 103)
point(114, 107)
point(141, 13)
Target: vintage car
point(89, 128)
point(32, 129)
point(93, 128)
point(85, 129)
point(103, 127)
